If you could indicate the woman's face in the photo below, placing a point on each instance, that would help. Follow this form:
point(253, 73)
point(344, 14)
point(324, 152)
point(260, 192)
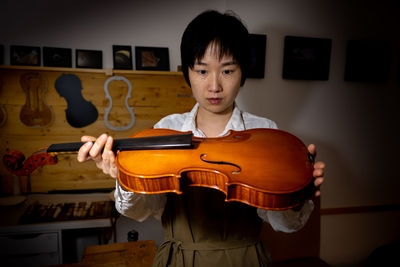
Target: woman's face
point(215, 82)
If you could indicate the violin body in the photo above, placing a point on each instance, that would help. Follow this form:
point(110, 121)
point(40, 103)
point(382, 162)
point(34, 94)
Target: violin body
point(264, 168)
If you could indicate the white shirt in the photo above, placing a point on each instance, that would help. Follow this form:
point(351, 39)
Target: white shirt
point(141, 206)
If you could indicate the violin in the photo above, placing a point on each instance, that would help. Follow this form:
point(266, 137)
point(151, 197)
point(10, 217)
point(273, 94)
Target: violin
point(263, 168)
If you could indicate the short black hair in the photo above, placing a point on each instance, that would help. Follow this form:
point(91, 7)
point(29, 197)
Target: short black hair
point(212, 27)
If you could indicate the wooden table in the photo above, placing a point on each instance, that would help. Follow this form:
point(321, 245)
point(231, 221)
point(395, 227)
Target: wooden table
point(139, 253)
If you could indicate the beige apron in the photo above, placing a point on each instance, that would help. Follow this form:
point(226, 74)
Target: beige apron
point(201, 229)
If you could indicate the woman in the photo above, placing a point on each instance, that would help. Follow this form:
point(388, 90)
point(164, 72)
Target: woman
point(200, 228)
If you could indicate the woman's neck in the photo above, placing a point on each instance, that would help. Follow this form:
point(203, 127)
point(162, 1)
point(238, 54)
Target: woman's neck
point(212, 124)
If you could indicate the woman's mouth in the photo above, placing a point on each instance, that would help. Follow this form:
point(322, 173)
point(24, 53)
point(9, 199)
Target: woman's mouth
point(214, 101)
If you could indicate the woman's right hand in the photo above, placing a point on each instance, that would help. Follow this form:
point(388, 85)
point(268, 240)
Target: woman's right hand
point(92, 150)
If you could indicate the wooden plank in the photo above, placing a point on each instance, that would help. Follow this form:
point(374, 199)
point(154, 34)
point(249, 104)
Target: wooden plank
point(140, 253)
point(127, 254)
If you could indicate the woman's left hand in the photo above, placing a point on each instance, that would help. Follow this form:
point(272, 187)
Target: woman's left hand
point(318, 173)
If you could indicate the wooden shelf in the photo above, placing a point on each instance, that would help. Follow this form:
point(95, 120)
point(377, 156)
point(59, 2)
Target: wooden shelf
point(108, 72)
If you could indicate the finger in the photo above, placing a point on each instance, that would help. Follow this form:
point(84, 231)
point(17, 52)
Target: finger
point(83, 154)
point(109, 144)
point(114, 172)
point(319, 165)
point(318, 173)
point(95, 152)
point(113, 166)
point(108, 164)
point(105, 164)
point(87, 138)
point(318, 182)
point(319, 169)
point(311, 148)
point(107, 156)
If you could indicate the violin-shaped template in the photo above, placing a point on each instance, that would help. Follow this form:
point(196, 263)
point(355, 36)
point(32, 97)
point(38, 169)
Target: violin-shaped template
point(35, 112)
point(79, 112)
point(108, 109)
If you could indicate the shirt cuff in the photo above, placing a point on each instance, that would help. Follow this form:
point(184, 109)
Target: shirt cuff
point(287, 221)
point(138, 206)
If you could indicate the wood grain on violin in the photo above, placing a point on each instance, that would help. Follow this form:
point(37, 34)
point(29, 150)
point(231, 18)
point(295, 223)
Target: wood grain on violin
point(264, 168)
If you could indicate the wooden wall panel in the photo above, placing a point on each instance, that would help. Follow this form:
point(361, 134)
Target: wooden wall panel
point(154, 95)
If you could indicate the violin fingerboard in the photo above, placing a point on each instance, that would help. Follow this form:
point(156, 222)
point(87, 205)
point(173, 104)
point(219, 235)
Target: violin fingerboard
point(66, 147)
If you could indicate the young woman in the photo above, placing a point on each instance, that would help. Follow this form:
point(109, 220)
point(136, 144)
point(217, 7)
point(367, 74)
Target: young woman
point(201, 229)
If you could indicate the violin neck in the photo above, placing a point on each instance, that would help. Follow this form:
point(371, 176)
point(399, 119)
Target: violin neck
point(177, 141)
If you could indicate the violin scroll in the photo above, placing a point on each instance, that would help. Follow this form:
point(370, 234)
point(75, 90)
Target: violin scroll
point(15, 162)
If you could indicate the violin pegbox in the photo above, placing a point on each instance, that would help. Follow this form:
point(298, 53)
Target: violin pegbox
point(108, 109)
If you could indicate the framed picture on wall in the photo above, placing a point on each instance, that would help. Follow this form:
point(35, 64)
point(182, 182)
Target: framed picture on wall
point(122, 57)
point(89, 58)
point(258, 43)
point(367, 61)
point(152, 58)
point(306, 58)
point(24, 55)
point(57, 57)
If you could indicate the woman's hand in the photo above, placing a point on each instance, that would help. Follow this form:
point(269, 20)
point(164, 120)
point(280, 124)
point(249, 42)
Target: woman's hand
point(92, 150)
point(318, 173)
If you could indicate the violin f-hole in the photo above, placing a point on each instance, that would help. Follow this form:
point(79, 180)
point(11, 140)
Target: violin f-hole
point(221, 163)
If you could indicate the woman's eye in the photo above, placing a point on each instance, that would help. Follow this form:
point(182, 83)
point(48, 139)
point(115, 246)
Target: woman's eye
point(227, 71)
point(202, 72)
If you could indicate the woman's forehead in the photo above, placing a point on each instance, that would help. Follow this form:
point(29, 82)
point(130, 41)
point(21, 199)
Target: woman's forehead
point(214, 51)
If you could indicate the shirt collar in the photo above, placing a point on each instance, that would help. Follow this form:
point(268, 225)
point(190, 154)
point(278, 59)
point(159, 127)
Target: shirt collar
point(235, 123)
point(190, 122)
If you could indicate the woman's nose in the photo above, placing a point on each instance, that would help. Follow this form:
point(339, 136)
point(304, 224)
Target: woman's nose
point(214, 83)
